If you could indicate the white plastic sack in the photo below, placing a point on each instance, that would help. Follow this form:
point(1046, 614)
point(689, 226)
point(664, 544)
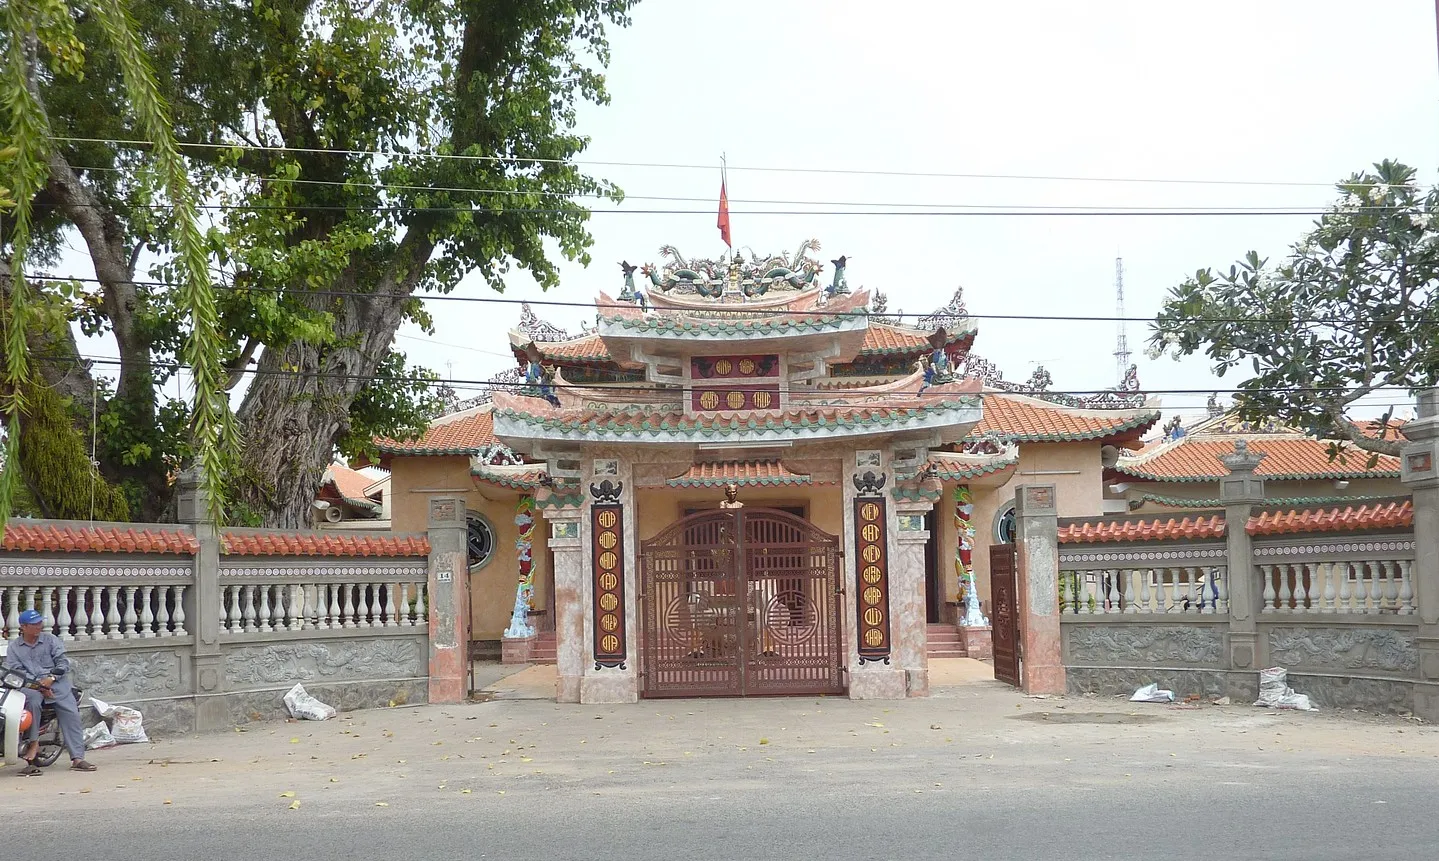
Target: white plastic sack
point(305, 707)
point(127, 725)
point(1275, 693)
point(98, 737)
point(1152, 694)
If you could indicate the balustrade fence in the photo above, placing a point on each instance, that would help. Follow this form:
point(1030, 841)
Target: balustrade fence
point(129, 612)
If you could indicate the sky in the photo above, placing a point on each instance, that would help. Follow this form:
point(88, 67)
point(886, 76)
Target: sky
point(1230, 104)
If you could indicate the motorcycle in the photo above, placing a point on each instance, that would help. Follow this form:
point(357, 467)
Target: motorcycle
point(15, 719)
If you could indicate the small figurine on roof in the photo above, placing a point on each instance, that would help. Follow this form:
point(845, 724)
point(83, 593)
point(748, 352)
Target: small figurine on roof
point(937, 367)
point(539, 378)
point(628, 294)
point(839, 285)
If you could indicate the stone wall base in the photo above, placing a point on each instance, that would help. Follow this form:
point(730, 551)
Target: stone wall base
point(978, 642)
point(916, 683)
point(178, 715)
point(609, 688)
point(1369, 694)
point(878, 684)
point(517, 650)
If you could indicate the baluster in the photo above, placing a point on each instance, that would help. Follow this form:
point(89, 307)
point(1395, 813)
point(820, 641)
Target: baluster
point(1221, 585)
point(314, 616)
point(177, 618)
point(347, 606)
point(162, 611)
point(1144, 596)
point(336, 619)
point(12, 614)
point(390, 620)
point(147, 617)
point(405, 617)
point(47, 609)
point(1301, 595)
point(1130, 593)
point(64, 617)
point(235, 625)
point(1285, 593)
point(420, 604)
point(1386, 591)
point(376, 610)
point(1346, 589)
point(247, 608)
point(1406, 589)
point(32, 594)
point(1390, 585)
point(1326, 576)
point(131, 619)
point(1361, 587)
point(1267, 571)
point(97, 613)
point(82, 613)
point(112, 613)
point(289, 596)
point(264, 622)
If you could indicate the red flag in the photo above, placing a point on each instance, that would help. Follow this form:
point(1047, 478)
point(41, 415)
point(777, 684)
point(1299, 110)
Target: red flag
point(723, 222)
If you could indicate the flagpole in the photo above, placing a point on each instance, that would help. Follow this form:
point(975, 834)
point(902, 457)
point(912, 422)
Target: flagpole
point(724, 183)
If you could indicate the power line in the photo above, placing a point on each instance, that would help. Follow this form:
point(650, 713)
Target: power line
point(750, 314)
point(651, 389)
point(711, 167)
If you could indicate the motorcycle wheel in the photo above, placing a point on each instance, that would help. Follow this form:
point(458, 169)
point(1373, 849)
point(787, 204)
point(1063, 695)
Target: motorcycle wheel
point(50, 748)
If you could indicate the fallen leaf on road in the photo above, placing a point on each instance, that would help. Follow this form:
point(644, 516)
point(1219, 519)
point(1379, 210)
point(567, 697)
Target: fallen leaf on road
point(290, 794)
point(167, 801)
point(382, 804)
point(294, 805)
point(764, 741)
point(464, 792)
point(294, 741)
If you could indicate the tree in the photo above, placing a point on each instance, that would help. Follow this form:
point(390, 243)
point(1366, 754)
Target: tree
point(358, 154)
point(1349, 313)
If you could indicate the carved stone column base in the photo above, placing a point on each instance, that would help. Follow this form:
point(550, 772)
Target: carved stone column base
point(887, 683)
point(978, 642)
point(607, 688)
point(567, 689)
point(516, 650)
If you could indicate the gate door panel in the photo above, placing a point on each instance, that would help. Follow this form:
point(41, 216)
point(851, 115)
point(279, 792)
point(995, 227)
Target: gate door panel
point(1003, 593)
point(740, 601)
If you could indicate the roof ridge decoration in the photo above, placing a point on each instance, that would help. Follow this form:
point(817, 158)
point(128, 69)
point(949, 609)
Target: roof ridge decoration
point(537, 329)
point(951, 316)
point(737, 278)
point(506, 380)
point(1126, 396)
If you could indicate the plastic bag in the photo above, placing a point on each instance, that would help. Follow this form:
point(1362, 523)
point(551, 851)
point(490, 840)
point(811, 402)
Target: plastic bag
point(305, 707)
point(1152, 694)
point(127, 725)
point(98, 737)
point(1275, 693)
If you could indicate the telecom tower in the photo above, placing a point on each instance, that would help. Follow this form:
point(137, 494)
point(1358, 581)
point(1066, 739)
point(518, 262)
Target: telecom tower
point(1121, 349)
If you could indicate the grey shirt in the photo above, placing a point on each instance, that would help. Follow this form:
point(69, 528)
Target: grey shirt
point(45, 658)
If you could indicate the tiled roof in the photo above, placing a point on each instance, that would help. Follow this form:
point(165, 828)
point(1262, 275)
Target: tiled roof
point(71, 537)
point(1288, 458)
point(526, 480)
point(730, 326)
point(757, 473)
point(350, 485)
point(1388, 514)
point(1186, 528)
point(465, 432)
point(879, 339)
point(1023, 419)
point(1371, 428)
point(1286, 501)
point(962, 467)
point(264, 542)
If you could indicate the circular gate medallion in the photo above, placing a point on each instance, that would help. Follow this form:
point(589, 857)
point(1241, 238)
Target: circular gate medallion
point(872, 595)
point(608, 540)
point(873, 617)
point(746, 367)
point(609, 581)
point(608, 602)
point(869, 512)
point(734, 400)
point(762, 400)
point(608, 560)
point(608, 520)
point(873, 575)
point(709, 400)
point(791, 618)
point(870, 532)
point(723, 367)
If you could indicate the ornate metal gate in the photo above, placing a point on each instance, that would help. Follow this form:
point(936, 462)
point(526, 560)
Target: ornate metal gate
point(740, 602)
point(1005, 613)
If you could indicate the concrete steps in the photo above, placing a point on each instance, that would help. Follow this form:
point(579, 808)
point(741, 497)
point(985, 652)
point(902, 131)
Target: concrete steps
point(944, 642)
point(543, 650)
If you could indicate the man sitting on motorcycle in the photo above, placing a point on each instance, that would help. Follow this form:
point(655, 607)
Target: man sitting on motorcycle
point(42, 655)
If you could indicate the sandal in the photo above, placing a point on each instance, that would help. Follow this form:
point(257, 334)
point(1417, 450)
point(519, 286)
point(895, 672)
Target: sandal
point(81, 765)
point(30, 770)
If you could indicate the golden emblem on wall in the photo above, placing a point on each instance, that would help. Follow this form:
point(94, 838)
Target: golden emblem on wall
point(762, 400)
point(734, 400)
point(608, 560)
point(870, 532)
point(709, 400)
point(872, 574)
point(873, 595)
point(608, 581)
point(607, 520)
point(871, 554)
point(870, 512)
point(608, 601)
point(723, 367)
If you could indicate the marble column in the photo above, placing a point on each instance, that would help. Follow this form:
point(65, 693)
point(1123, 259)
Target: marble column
point(906, 596)
point(1419, 465)
point(609, 480)
point(1239, 492)
point(1036, 516)
point(449, 600)
point(874, 672)
point(570, 570)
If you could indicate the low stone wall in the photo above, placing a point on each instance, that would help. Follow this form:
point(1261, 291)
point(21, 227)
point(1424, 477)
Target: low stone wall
point(1368, 663)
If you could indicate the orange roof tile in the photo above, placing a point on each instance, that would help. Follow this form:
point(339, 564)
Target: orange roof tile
point(1024, 419)
point(1371, 428)
point(1198, 460)
point(879, 338)
point(743, 473)
point(462, 433)
point(349, 483)
point(1187, 528)
point(590, 347)
point(265, 542)
point(69, 537)
point(1390, 514)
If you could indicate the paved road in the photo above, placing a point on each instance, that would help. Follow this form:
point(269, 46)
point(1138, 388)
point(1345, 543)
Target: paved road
point(973, 772)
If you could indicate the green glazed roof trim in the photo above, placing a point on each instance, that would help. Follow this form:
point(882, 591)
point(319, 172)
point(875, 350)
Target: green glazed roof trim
point(510, 480)
point(1283, 501)
point(1137, 472)
point(556, 500)
point(918, 494)
point(972, 471)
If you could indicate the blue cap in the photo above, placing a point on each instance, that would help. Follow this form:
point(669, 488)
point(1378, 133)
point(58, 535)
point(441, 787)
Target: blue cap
point(31, 617)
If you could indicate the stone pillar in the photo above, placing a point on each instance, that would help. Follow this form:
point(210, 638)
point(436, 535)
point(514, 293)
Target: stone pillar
point(869, 572)
point(906, 596)
point(1239, 492)
point(202, 606)
point(449, 600)
point(1419, 470)
point(569, 570)
point(1036, 515)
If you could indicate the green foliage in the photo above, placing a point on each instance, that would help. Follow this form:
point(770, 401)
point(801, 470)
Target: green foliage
point(1349, 312)
point(396, 404)
point(53, 460)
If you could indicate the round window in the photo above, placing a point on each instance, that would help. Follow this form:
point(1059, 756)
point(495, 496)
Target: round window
point(1004, 525)
point(481, 540)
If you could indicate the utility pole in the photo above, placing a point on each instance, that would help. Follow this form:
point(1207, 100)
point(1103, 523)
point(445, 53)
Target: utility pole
point(1121, 349)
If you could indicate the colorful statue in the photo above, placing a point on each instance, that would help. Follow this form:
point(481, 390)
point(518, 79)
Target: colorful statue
point(839, 285)
point(937, 367)
point(628, 293)
point(539, 377)
point(963, 557)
